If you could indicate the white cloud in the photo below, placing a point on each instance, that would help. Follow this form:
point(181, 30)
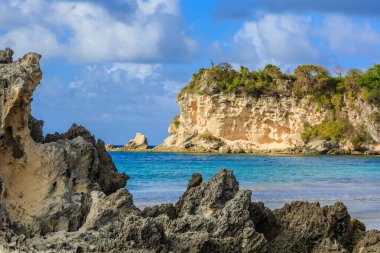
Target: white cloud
point(288, 40)
point(140, 71)
point(113, 100)
point(274, 39)
point(84, 31)
point(347, 37)
point(163, 6)
point(33, 38)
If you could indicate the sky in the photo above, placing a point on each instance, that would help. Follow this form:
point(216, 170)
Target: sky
point(116, 66)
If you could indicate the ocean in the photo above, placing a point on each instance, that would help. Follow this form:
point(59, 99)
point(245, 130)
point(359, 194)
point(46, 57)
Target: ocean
point(354, 180)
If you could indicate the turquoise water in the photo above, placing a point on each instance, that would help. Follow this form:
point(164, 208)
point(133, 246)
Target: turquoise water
point(274, 180)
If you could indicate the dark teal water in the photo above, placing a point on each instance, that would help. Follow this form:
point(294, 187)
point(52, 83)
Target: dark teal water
point(274, 180)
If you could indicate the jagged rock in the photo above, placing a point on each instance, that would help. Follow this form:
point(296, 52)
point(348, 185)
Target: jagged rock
point(46, 186)
point(108, 209)
point(303, 225)
point(35, 127)
point(263, 219)
point(205, 198)
point(139, 142)
point(369, 244)
point(109, 147)
point(195, 180)
point(105, 173)
point(163, 209)
point(231, 224)
point(6, 56)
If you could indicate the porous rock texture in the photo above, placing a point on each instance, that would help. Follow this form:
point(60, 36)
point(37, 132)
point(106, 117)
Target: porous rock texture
point(214, 216)
point(46, 182)
point(213, 121)
point(62, 193)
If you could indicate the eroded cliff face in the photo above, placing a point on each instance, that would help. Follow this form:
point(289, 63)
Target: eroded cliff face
point(237, 122)
point(45, 183)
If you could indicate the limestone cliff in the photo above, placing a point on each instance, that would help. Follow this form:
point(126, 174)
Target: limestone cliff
point(237, 121)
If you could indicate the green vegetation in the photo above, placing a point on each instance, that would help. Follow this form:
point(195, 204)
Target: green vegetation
point(313, 81)
point(370, 84)
point(357, 224)
point(212, 139)
point(176, 121)
point(223, 78)
point(337, 130)
point(332, 130)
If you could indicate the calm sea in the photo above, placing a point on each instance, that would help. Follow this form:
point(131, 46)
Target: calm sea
point(274, 180)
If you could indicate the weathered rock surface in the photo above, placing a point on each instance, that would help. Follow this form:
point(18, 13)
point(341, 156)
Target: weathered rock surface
point(59, 171)
point(6, 55)
point(139, 142)
point(62, 193)
point(214, 216)
point(236, 122)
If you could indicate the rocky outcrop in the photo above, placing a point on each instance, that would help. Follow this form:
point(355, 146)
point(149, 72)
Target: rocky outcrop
point(6, 56)
point(214, 216)
point(235, 122)
point(140, 142)
point(62, 193)
point(46, 182)
point(109, 147)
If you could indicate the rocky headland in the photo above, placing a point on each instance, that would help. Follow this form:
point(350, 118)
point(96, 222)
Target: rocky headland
point(139, 143)
point(229, 111)
point(62, 193)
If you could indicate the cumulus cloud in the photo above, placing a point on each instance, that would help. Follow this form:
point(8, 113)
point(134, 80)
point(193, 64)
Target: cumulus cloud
point(113, 100)
point(288, 40)
point(276, 38)
point(242, 9)
point(84, 31)
point(347, 37)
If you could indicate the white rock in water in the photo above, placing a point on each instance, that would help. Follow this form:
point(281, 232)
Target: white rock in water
point(139, 142)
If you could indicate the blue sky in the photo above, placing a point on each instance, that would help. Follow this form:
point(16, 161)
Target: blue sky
point(116, 66)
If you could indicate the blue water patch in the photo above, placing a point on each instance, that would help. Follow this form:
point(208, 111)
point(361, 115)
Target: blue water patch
point(274, 180)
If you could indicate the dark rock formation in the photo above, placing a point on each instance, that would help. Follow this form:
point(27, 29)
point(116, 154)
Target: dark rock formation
point(62, 193)
point(35, 127)
point(369, 244)
point(6, 56)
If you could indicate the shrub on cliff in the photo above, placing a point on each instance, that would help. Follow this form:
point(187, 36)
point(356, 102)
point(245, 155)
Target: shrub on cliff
point(337, 130)
point(331, 130)
point(176, 121)
point(370, 83)
point(308, 80)
point(208, 137)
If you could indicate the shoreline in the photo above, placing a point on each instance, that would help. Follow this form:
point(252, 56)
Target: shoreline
point(256, 152)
